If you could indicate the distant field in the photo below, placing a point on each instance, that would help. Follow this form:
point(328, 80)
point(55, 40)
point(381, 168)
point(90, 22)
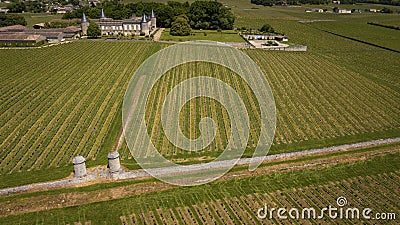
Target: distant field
point(209, 35)
point(362, 31)
point(34, 18)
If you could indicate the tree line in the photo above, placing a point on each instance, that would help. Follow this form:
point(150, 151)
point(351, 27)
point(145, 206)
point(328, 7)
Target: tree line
point(200, 14)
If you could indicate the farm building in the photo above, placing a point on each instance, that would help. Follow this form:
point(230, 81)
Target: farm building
point(13, 28)
point(265, 37)
point(4, 10)
point(51, 35)
point(281, 38)
point(315, 10)
point(71, 32)
point(133, 26)
point(341, 11)
point(372, 10)
point(21, 38)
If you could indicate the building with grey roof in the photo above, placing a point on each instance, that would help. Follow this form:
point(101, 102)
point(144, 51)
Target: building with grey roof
point(21, 38)
point(132, 26)
point(51, 35)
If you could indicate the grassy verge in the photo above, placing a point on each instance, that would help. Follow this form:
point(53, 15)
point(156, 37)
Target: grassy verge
point(35, 176)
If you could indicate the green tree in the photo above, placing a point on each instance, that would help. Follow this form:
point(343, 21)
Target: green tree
point(93, 30)
point(267, 28)
point(386, 10)
point(7, 19)
point(17, 7)
point(180, 27)
point(210, 15)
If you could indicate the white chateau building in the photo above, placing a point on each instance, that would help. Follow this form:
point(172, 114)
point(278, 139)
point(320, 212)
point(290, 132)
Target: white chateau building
point(133, 26)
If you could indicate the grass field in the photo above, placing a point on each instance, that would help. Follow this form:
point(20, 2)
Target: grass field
point(208, 35)
point(34, 18)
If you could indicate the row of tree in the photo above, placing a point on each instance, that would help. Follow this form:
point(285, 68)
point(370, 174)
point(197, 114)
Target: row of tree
point(200, 14)
point(7, 19)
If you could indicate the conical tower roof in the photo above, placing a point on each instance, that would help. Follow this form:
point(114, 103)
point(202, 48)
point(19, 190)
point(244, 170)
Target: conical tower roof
point(103, 15)
point(144, 19)
point(84, 20)
point(152, 14)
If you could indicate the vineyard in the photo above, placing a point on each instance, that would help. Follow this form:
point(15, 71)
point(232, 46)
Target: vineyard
point(371, 183)
point(59, 102)
point(66, 100)
point(63, 104)
point(200, 107)
point(316, 100)
point(218, 209)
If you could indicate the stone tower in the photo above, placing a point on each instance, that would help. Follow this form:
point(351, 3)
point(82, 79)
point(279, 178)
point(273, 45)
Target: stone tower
point(113, 162)
point(84, 25)
point(79, 166)
point(153, 20)
point(144, 24)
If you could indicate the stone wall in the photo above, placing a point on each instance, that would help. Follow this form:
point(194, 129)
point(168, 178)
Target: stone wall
point(289, 48)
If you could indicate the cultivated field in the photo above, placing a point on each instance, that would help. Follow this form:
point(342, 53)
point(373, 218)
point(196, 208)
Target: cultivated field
point(316, 100)
point(61, 101)
point(370, 183)
point(218, 209)
point(65, 99)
